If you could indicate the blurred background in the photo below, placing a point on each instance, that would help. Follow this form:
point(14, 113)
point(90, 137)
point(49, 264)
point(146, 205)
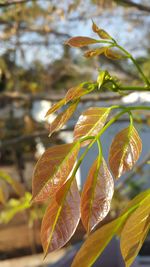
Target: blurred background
point(36, 70)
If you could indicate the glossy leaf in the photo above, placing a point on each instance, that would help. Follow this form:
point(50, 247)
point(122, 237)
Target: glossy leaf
point(90, 122)
point(135, 231)
point(101, 78)
point(101, 33)
point(62, 118)
point(95, 52)
point(61, 218)
point(55, 107)
point(96, 195)
point(95, 244)
point(124, 151)
point(111, 54)
point(81, 41)
point(53, 169)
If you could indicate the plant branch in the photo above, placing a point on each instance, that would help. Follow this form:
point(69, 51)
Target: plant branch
point(14, 2)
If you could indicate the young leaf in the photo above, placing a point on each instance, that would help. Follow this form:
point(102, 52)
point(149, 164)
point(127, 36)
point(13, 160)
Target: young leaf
point(95, 52)
point(135, 231)
point(55, 107)
point(124, 151)
point(61, 218)
point(62, 118)
point(96, 195)
point(90, 123)
point(95, 244)
point(81, 41)
point(78, 91)
point(53, 169)
point(111, 54)
point(101, 33)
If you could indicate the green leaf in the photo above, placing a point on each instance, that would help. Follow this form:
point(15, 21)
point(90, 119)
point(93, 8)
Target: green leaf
point(14, 206)
point(17, 186)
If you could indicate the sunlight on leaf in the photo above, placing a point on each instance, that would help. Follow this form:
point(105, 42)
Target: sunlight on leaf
point(53, 169)
point(90, 123)
point(96, 195)
point(55, 107)
point(124, 151)
point(135, 232)
point(61, 218)
point(62, 118)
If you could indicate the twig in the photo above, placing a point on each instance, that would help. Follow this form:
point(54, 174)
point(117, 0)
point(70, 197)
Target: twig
point(136, 5)
point(14, 2)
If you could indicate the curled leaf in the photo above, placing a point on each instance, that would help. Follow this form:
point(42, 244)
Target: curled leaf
point(90, 123)
point(124, 151)
point(53, 169)
point(62, 118)
point(96, 195)
point(95, 52)
point(111, 54)
point(61, 218)
point(81, 41)
point(134, 232)
point(101, 33)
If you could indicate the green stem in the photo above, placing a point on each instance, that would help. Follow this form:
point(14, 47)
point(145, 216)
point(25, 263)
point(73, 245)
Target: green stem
point(145, 79)
point(134, 88)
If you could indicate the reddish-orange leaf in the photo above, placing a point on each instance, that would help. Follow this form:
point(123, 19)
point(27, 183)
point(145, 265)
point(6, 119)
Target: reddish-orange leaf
point(90, 122)
point(124, 151)
point(55, 107)
point(62, 118)
point(53, 169)
point(61, 218)
point(76, 92)
point(95, 52)
point(81, 41)
point(135, 231)
point(101, 33)
point(111, 54)
point(96, 195)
